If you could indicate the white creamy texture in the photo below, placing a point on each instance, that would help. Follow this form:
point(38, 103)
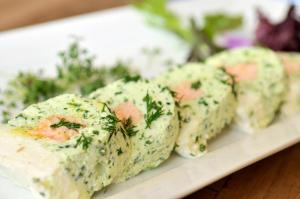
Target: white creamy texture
point(28, 163)
point(205, 116)
point(259, 99)
point(291, 62)
point(85, 170)
point(150, 146)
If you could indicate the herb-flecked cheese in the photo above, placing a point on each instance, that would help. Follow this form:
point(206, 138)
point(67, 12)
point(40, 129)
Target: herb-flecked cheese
point(157, 124)
point(75, 166)
point(291, 63)
point(206, 104)
point(260, 84)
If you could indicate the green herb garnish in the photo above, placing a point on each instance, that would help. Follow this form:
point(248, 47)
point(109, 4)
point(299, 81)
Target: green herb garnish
point(159, 15)
point(229, 81)
point(196, 85)
point(203, 101)
point(69, 125)
point(77, 70)
point(129, 127)
point(75, 73)
point(201, 39)
point(154, 110)
point(113, 125)
point(202, 147)
point(129, 78)
point(119, 151)
point(84, 141)
point(173, 93)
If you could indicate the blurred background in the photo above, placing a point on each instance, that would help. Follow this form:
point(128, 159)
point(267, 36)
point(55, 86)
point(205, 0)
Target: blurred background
point(281, 168)
point(17, 13)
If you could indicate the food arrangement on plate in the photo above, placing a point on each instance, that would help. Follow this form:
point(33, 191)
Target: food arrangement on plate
point(116, 124)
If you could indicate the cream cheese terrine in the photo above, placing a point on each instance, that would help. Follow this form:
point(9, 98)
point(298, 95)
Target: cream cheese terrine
point(152, 111)
point(206, 105)
point(64, 148)
point(291, 63)
point(260, 83)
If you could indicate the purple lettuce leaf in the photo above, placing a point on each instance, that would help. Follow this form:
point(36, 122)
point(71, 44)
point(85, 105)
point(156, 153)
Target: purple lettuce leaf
point(284, 36)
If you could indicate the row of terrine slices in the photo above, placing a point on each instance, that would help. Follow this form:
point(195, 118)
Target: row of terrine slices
point(68, 147)
point(133, 125)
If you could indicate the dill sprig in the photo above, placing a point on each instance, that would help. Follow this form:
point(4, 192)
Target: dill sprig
point(129, 128)
point(69, 125)
point(75, 73)
point(111, 125)
point(221, 75)
point(154, 110)
point(114, 125)
point(84, 141)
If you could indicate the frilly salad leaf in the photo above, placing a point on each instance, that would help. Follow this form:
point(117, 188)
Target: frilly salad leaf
point(284, 36)
point(200, 38)
point(157, 14)
point(220, 22)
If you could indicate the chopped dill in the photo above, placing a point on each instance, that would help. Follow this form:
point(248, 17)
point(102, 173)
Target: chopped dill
point(154, 110)
point(69, 125)
point(196, 85)
point(119, 151)
point(203, 101)
point(225, 80)
point(129, 127)
point(113, 125)
point(179, 119)
point(129, 78)
point(84, 141)
point(202, 147)
point(172, 93)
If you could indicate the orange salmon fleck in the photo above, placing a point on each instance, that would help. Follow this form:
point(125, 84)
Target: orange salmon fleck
point(128, 110)
point(289, 65)
point(185, 92)
point(44, 129)
point(243, 72)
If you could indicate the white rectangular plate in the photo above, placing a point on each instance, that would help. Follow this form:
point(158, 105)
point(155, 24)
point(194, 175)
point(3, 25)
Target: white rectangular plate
point(121, 34)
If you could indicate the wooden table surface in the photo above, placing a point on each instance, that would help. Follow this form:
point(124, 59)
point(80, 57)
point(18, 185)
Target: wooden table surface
point(276, 177)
